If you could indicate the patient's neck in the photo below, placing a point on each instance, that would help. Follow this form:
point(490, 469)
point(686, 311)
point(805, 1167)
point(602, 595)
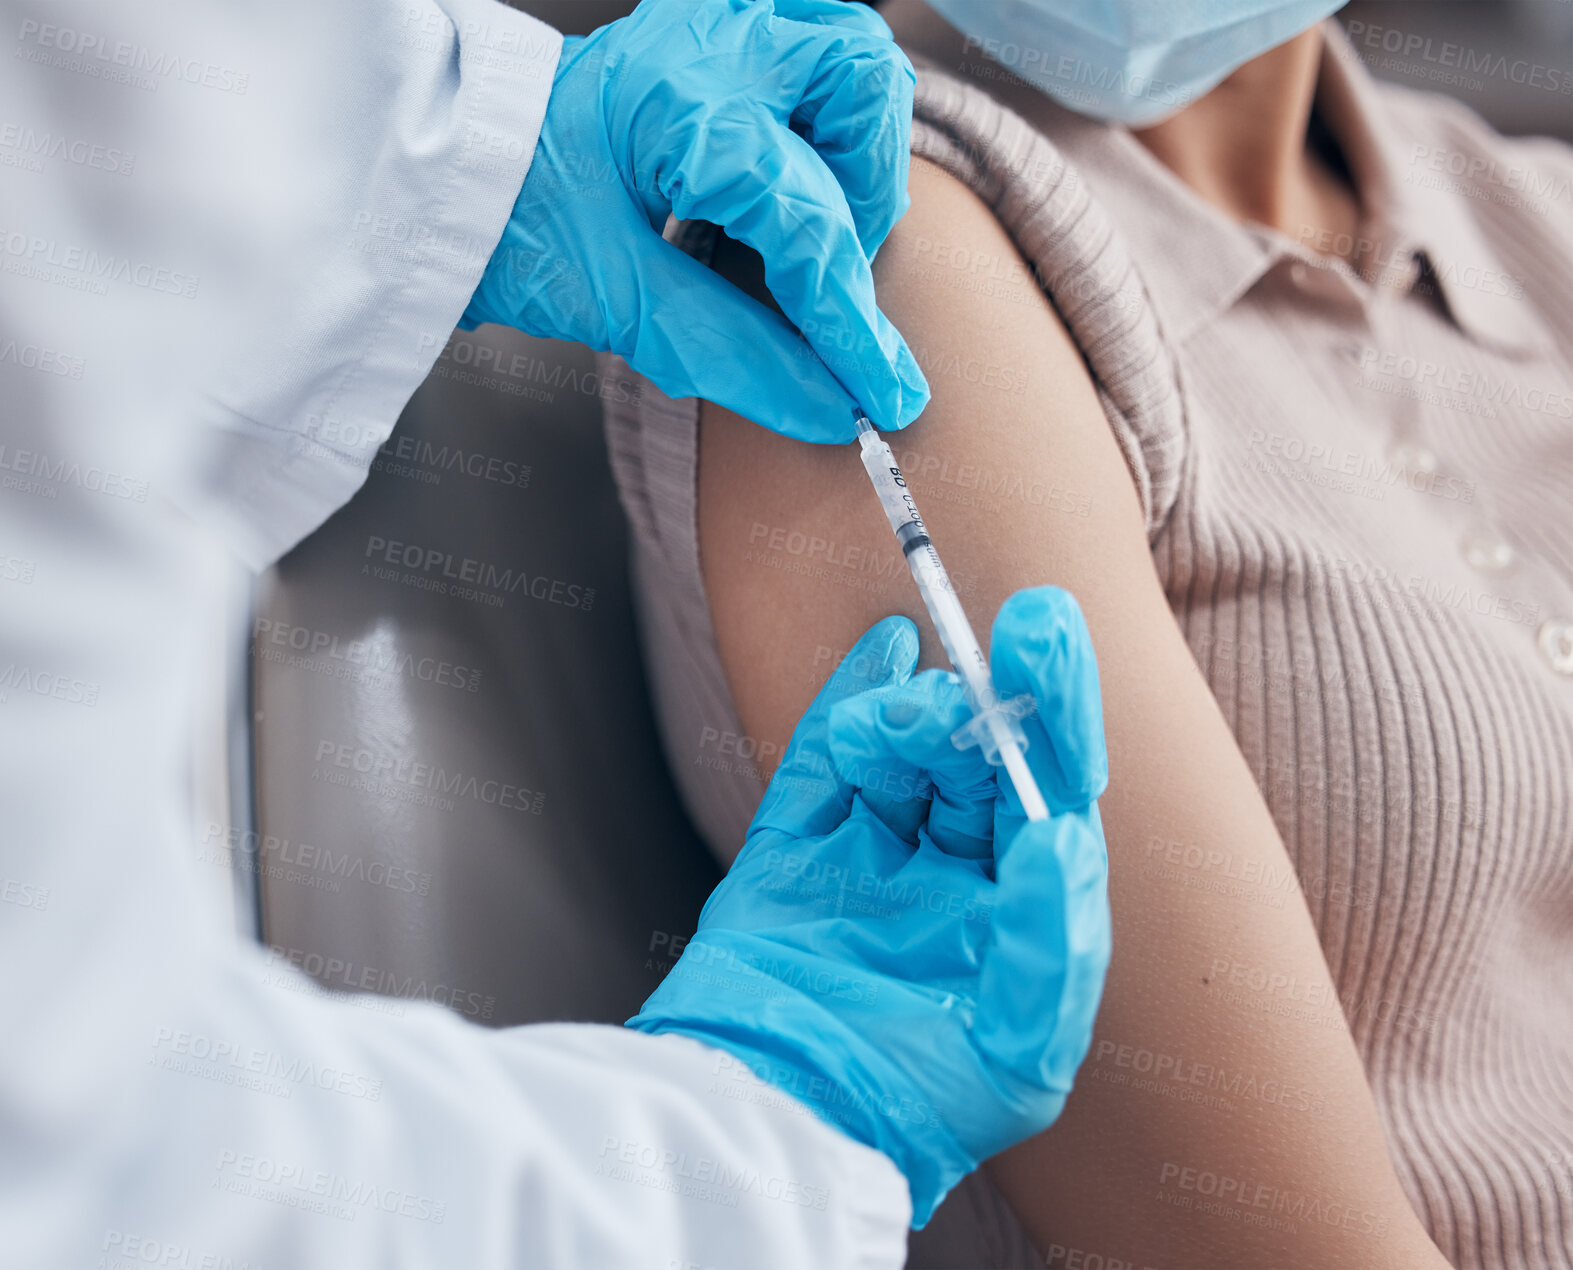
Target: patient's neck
point(1243, 146)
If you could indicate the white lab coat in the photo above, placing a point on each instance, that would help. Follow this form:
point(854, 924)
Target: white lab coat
point(233, 239)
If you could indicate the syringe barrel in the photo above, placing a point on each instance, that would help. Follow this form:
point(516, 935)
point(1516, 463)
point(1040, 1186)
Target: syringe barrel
point(955, 633)
point(939, 596)
point(891, 486)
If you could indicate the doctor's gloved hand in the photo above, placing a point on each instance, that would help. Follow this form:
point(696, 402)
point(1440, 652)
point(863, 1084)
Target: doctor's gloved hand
point(784, 121)
point(875, 951)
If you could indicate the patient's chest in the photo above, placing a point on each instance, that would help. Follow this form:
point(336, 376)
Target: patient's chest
point(1372, 559)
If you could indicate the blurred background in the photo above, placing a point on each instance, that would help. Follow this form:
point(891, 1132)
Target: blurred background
point(1509, 60)
point(1503, 40)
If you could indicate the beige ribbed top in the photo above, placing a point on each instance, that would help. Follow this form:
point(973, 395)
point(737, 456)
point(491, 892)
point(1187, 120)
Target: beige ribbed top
point(1359, 490)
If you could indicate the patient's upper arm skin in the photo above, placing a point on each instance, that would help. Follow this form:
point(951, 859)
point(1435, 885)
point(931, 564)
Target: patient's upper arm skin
point(1200, 1132)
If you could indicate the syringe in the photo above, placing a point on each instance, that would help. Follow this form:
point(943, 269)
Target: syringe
point(995, 725)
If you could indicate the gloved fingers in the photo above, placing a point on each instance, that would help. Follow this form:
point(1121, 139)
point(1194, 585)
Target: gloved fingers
point(807, 797)
point(1044, 967)
point(777, 196)
point(894, 745)
point(1040, 645)
point(855, 109)
point(934, 918)
point(781, 881)
point(890, 778)
point(697, 335)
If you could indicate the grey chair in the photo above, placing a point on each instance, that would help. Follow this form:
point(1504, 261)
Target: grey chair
point(458, 784)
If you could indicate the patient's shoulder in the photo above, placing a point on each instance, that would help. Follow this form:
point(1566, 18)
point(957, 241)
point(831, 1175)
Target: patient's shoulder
point(991, 342)
point(950, 259)
point(1008, 380)
point(941, 203)
point(971, 304)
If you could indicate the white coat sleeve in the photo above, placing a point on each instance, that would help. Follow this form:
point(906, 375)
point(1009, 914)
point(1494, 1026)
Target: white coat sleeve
point(232, 240)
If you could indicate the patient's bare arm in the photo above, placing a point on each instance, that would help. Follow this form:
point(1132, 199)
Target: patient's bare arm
point(1022, 483)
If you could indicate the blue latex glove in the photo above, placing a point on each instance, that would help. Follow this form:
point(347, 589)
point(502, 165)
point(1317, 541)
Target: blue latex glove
point(786, 122)
point(871, 954)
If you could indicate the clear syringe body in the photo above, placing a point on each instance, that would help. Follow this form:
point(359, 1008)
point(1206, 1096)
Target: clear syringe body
point(996, 728)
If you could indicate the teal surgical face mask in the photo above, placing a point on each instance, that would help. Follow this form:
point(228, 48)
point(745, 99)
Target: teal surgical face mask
point(1132, 61)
